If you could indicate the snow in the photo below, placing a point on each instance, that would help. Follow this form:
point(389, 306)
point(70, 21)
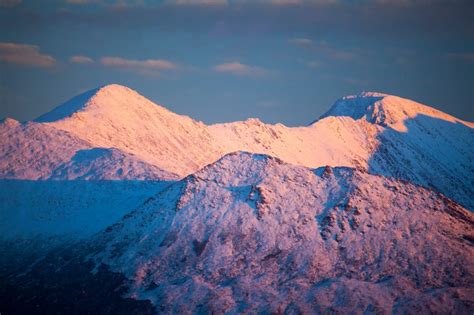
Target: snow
point(380, 133)
point(71, 209)
point(386, 110)
point(76, 104)
point(119, 117)
point(252, 234)
point(36, 151)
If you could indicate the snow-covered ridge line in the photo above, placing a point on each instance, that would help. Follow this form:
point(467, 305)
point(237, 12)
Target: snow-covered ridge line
point(376, 132)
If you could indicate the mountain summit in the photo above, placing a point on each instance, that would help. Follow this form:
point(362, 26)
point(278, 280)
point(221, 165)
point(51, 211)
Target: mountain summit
point(116, 116)
point(109, 101)
point(386, 110)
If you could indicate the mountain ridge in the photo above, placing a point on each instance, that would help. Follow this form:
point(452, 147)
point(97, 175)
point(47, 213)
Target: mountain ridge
point(383, 134)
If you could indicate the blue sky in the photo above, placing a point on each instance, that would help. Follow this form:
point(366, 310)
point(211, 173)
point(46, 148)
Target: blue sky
point(216, 60)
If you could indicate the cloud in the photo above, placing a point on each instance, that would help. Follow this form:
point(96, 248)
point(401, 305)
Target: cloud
point(108, 3)
point(160, 64)
point(197, 2)
point(323, 49)
point(288, 2)
point(23, 54)
point(237, 68)
point(9, 3)
point(301, 41)
point(82, 1)
point(149, 67)
point(285, 2)
point(80, 59)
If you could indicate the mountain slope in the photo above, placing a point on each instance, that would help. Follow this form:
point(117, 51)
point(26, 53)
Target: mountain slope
point(250, 233)
point(116, 116)
point(67, 209)
point(54, 184)
point(37, 151)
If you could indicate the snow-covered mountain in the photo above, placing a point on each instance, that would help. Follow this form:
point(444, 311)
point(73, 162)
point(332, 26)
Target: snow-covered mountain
point(380, 133)
point(365, 210)
point(116, 116)
point(251, 234)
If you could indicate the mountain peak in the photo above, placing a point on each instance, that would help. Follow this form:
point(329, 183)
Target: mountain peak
point(245, 168)
point(10, 122)
point(385, 110)
point(111, 97)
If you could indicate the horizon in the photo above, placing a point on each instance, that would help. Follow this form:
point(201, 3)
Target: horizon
point(218, 61)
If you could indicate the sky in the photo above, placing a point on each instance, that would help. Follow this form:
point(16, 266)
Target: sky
point(282, 61)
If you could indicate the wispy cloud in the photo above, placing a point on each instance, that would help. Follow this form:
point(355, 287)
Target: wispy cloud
point(160, 64)
point(9, 3)
point(81, 59)
point(324, 49)
point(237, 68)
point(288, 2)
point(197, 2)
point(23, 54)
point(151, 67)
point(109, 3)
point(305, 42)
point(82, 1)
point(284, 2)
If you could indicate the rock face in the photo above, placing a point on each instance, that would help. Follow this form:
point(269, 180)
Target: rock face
point(253, 234)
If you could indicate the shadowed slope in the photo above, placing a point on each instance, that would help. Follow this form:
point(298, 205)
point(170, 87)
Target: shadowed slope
point(67, 209)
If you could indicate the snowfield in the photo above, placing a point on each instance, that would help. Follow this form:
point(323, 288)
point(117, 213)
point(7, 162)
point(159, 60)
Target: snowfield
point(111, 203)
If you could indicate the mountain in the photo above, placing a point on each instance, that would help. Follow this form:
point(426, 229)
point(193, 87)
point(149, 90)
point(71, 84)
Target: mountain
point(116, 116)
point(251, 234)
point(380, 133)
point(113, 204)
point(113, 133)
